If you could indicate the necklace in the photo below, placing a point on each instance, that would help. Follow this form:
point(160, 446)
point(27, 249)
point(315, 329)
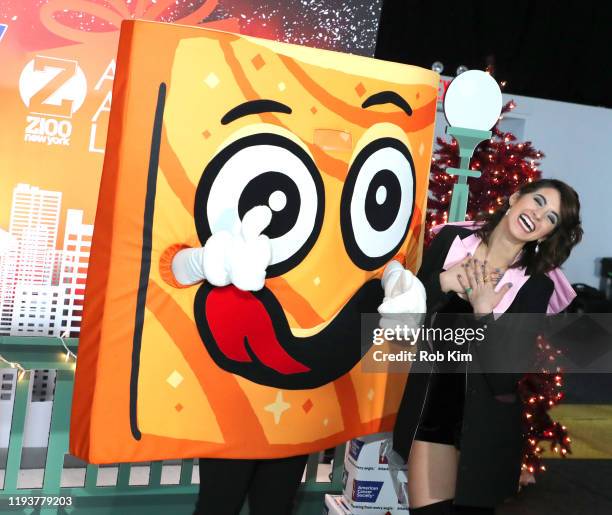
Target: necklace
point(496, 273)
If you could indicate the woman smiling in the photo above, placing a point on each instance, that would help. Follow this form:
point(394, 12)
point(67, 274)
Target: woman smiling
point(465, 448)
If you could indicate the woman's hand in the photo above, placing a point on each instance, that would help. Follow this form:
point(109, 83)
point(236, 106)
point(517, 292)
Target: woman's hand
point(479, 288)
point(448, 278)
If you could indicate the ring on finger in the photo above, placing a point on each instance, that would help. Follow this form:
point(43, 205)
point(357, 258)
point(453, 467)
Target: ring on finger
point(468, 290)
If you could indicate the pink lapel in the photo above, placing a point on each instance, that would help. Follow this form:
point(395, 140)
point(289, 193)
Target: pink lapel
point(563, 293)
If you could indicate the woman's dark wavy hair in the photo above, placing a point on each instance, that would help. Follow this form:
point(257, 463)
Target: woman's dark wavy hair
point(556, 248)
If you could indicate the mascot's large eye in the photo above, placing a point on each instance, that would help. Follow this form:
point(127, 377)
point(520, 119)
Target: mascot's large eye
point(268, 170)
point(377, 202)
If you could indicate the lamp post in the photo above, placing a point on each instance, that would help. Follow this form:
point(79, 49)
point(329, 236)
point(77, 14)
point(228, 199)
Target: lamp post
point(472, 105)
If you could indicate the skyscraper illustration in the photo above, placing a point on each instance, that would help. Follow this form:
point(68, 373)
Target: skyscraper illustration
point(35, 209)
point(41, 290)
point(73, 271)
point(8, 273)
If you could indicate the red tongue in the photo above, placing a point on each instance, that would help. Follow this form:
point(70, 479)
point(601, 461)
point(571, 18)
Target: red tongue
point(235, 316)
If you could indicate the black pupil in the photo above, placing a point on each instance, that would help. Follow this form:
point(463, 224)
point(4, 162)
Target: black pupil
point(383, 200)
point(258, 192)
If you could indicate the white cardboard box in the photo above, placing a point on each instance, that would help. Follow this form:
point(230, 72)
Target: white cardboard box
point(335, 505)
point(371, 487)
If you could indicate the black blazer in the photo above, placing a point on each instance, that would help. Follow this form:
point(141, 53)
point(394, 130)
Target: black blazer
point(492, 433)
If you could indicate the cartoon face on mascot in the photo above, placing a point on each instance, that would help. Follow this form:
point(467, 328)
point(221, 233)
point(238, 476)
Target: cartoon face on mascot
point(253, 194)
point(248, 333)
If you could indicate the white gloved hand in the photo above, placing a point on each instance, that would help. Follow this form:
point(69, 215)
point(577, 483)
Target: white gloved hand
point(239, 257)
point(404, 293)
point(250, 252)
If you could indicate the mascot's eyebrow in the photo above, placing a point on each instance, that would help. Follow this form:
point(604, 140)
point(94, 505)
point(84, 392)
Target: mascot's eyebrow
point(388, 97)
point(254, 107)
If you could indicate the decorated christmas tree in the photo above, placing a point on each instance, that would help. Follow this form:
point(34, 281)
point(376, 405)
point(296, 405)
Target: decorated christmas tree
point(505, 164)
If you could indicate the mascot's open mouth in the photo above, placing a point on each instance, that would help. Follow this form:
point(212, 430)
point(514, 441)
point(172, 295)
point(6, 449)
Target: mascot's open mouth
point(247, 333)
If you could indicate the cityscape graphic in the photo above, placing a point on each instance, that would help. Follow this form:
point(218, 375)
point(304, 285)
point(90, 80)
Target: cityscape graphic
point(41, 286)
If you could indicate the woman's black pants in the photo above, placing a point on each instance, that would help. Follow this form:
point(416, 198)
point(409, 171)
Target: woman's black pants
point(269, 485)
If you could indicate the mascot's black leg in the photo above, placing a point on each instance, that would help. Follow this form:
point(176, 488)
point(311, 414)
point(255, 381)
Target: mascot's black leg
point(274, 485)
point(437, 508)
point(224, 485)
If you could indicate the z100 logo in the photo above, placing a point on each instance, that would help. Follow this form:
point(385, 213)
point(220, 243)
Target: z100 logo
point(53, 89)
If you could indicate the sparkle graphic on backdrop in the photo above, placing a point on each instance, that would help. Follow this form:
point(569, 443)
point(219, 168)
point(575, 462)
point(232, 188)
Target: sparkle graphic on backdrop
point(334, 25)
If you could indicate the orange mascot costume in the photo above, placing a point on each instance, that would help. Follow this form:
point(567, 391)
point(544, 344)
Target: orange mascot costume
point(253, 193)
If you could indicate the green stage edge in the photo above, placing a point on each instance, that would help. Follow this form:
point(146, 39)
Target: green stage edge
point(121, 499)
